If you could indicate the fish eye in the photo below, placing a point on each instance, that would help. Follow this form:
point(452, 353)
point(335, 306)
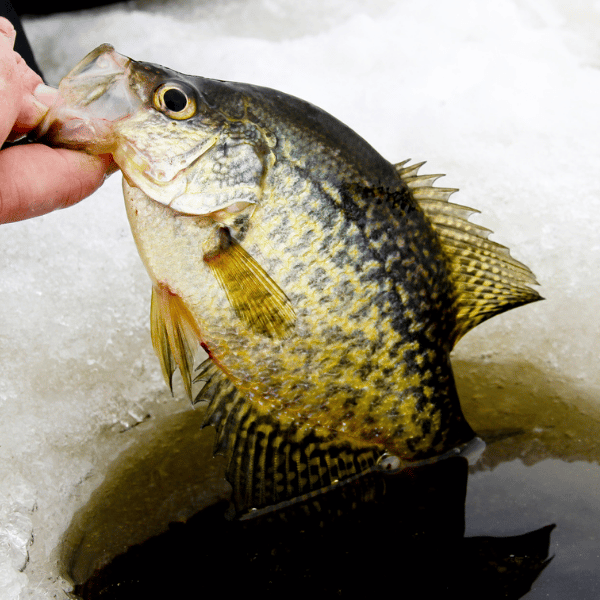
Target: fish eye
point(175, 101)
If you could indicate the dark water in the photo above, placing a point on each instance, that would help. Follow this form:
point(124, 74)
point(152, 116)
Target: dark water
point(524, 521)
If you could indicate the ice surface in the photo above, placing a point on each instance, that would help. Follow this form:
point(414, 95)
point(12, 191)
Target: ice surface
point(502, 96)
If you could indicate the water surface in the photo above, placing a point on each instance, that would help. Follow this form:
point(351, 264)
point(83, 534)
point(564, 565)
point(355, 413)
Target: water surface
point(524, 520)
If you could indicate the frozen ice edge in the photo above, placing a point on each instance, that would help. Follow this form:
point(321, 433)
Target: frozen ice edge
point(500, 96)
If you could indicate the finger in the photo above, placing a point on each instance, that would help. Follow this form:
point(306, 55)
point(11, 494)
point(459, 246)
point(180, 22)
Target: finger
point(61, 178)
point(22, 108)
point(28, 78)
point(34, 108)
point(10, 90)
point(7, 33)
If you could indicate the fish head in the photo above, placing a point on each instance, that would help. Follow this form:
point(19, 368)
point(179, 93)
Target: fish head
point(185, 141)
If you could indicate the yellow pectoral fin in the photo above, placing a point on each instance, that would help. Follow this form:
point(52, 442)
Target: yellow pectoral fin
point(175, 335)
point(256, 299)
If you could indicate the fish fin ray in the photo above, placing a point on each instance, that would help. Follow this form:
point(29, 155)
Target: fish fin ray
point(271, 459)
point(254, 296)
point(487, 280)
point(175, 335)
point(160, 340)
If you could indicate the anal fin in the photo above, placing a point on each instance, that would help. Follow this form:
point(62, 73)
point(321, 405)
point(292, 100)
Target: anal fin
point(272, 461)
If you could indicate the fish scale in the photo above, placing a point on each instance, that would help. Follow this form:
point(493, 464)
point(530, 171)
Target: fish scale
point(355, 280)
point(327, 285)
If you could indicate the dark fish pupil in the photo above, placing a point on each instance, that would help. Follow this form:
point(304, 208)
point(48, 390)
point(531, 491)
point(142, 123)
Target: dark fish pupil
point(175, 100)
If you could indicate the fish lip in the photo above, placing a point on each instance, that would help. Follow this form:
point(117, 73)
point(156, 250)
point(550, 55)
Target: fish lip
point(92, 97)
point(102, 63)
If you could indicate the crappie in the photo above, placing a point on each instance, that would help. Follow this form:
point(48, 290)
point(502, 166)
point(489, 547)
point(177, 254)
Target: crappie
point(326, 285)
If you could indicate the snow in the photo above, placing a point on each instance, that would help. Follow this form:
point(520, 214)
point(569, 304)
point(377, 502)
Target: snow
point(501, 95)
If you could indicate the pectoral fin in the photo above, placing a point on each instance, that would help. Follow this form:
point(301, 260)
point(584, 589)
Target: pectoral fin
point(256, 299)
point(175, 335)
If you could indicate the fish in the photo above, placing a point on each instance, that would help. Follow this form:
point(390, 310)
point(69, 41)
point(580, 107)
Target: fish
point(326, 285)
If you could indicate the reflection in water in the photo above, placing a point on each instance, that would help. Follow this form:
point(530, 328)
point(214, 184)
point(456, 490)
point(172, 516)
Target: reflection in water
point(413, 531)
point(411, 537)
point(528, 414)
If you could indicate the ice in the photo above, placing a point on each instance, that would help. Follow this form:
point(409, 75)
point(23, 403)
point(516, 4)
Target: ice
point(502, 96)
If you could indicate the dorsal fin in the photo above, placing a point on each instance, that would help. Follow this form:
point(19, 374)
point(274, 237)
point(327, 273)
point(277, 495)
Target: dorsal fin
point(487, 280)
point(270, 459)
point(175, 335)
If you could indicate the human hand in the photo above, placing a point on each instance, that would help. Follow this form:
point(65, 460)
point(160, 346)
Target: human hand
point(36, 179)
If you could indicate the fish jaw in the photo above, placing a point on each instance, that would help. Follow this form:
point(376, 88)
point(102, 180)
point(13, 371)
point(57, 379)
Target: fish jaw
point(92, 97)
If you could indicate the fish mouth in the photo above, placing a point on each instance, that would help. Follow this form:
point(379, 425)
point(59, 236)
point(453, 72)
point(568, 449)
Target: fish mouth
point(93, 95)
